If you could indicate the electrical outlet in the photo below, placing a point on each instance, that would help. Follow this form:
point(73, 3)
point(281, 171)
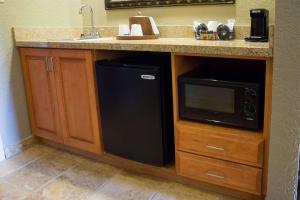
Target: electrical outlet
point(2, 1)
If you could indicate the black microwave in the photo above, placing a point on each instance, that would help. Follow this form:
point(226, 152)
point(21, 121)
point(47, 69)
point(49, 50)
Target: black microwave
point(221, 98)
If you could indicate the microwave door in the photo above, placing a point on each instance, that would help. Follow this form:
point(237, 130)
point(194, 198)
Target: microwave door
point(213, 99)
point(209, 103)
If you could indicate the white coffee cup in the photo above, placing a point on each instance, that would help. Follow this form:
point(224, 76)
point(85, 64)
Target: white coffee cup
point(212, 26)
point(124, 29)
point(136, 30)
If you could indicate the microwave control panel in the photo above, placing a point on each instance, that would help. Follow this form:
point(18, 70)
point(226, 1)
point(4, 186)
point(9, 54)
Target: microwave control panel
point(250, 104)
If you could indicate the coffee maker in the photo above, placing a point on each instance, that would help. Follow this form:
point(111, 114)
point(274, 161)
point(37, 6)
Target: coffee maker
point(259, 25)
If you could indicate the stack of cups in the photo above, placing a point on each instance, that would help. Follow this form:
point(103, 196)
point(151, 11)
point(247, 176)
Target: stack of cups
point(136, 30)
point(124, 29)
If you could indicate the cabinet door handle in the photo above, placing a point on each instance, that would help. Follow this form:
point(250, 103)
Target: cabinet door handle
point(46, 64)
point(213, 147)
point(214, 175)
point(52, 67)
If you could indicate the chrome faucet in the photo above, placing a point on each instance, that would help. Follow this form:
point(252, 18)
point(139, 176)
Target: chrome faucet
point(94, 34)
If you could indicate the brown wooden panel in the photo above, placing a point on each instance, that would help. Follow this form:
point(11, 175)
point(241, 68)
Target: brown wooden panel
point(235, 176)
point(215, 142)
point(41, 94)
point(76, 96)
point(75, 72)
point(267, 120)
point(180, 65)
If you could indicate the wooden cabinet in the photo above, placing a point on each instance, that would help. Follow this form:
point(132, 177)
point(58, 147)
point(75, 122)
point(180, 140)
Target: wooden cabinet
point(61, 93)
point(41, 89)
point(219, 142)
point(219, 172)
point(238, 155)
point(77, 98)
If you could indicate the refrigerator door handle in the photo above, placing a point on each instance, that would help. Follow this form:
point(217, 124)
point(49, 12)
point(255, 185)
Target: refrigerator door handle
point(147, 77)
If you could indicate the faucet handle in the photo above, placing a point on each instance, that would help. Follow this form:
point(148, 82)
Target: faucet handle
point(95, 34)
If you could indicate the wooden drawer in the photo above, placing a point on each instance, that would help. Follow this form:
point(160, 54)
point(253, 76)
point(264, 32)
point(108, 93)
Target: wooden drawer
point(223, 173)
point(242, 148)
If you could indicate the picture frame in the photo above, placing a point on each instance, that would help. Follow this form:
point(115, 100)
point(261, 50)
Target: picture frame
point(122, 4)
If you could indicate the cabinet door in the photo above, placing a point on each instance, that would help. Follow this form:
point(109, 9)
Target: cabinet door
point(77, 98)
point(41, 93)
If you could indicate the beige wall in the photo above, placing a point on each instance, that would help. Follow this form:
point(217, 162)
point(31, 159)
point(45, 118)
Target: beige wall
point(285, 130)
point(14, 124)
point(183, 15)
point(41, 13)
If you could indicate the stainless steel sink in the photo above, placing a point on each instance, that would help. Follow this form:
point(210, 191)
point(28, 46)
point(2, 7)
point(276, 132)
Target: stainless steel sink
point(86, 39)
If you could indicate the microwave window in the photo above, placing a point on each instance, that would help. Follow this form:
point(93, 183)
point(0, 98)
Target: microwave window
point(209, 98)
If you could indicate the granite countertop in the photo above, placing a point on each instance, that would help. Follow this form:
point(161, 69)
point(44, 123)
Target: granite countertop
point(178, 45)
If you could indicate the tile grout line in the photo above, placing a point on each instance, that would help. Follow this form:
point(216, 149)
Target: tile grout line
point(30, 193)
point(21, 167)
point(34, 192)
point(106, 182)
point(103, 184)
point(54, 178)
point(15, 186)
point(153, 195)
point(26, 164)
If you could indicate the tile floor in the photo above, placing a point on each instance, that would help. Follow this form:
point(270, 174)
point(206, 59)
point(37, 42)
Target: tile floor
point(44, 173)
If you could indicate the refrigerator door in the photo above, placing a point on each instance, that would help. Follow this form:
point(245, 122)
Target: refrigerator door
point(131, 112)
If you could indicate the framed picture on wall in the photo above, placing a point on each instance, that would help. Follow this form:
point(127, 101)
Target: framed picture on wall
point(118, 4)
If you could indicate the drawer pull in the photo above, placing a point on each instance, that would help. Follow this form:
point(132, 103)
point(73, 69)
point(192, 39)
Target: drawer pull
point(214, 175)
point(215, 148)
point(46, 64)
point(52, 67)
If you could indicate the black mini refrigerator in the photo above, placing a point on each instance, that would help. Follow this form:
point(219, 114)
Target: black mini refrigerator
point(135, 98)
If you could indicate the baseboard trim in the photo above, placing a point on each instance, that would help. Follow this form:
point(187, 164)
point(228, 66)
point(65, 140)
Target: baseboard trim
point(12, 150)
